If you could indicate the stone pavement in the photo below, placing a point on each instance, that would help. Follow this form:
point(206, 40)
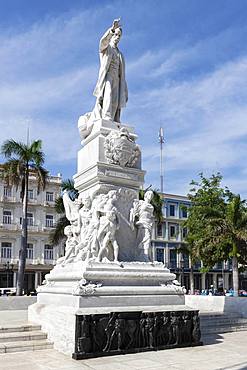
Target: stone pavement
point(224, 351)
point(13, 317)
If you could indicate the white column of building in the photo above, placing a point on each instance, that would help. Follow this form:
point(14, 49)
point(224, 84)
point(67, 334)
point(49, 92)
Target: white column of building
point(226, 280)
point(203, 281)
point(166, 255)
point(215, 280)
point(14, 279)
point(37, 279)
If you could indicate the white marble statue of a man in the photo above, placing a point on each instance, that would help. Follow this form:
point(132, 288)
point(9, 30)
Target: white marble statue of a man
point(111, 88)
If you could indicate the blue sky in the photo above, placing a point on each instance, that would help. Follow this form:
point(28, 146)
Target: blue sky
point(186, 66)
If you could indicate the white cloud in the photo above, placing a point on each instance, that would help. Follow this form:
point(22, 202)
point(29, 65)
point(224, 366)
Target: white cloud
point(205, 123)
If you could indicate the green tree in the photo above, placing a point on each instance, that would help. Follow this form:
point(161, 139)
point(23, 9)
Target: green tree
point(217, 225)
point(57, 235)
point(23, 160)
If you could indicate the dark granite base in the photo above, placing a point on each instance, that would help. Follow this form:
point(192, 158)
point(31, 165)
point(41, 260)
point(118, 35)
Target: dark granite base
point(130, 332)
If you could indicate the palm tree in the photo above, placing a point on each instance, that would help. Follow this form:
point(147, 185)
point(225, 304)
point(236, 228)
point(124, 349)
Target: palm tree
point(57, 235)
point(23, 160)
point(231, 233)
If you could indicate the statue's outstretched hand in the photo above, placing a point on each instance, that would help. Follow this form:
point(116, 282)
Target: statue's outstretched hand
point(115, 24)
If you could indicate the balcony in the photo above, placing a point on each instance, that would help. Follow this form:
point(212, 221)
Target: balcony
point(33, 228)
point(50, 203)
point(12, 227)
point(32, 201)
point(8, 199)
point(48, 228)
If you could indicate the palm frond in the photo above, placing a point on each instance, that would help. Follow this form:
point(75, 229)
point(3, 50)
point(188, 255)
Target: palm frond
point(59, 206)
point(37, 156)
point(42, 176)
point(13, 148)
point(57, 235)
point(70, 187)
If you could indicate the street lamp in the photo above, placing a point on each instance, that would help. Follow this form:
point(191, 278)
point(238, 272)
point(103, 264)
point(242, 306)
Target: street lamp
point(8, 268)
point(182, 268)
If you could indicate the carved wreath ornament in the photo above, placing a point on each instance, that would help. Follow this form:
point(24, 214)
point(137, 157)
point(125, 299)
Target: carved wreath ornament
point(120, 149)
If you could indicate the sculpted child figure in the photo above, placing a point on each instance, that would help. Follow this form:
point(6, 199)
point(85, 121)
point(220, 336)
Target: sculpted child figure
point(70, 248)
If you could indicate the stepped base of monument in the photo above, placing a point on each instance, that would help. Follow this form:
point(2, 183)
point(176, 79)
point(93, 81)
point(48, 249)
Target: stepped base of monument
point(74, 330)
point(83, 301)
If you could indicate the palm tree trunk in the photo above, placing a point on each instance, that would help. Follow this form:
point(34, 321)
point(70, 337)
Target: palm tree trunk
point(192, 287)
point(235, 275)
point(23, 250)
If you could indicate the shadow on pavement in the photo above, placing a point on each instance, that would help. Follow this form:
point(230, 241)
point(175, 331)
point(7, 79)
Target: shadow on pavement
point(212, 339)
point(240, 366)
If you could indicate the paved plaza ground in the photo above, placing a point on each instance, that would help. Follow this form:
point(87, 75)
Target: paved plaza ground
point(223, 351)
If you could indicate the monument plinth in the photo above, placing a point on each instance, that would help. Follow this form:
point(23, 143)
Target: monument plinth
point(106, 295)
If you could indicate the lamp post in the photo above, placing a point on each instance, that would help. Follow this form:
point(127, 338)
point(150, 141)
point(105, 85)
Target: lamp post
point(182, 269)
point(8, 268)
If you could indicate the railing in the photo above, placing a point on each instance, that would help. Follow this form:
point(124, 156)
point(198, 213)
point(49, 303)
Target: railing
point(10, 199)
point(9, 226)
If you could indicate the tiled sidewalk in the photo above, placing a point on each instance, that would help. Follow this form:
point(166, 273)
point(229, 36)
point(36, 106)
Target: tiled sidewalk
point(225, 351)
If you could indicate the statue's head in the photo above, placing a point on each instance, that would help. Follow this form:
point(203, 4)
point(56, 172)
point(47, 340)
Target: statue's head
point(148, 195)
point(112, 194)
point(86, 201)
point(117, 35)
point(68, 230)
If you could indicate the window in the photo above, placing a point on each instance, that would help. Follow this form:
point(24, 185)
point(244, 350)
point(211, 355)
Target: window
point(48, 252)
point(29, 219)
point(160, 254)
point(186, 261)
point(159, 230)
point(172, 231)
point(49, 221)
point(197, 265)
point(184, 212)
point(30, 194)
point(6, 217)
point(29, 251)
point(49, 196)
point(219, 266)
point(172, 210)
point(173, 258)
point(7, 191)
point(6, 250)
point(184, 232)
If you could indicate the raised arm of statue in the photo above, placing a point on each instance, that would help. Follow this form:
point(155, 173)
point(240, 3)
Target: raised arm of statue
point(106, 38)
point(71, 207)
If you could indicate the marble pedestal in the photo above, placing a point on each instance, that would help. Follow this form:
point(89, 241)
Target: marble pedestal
point(81, 288)
point(121, 304)
point(96, 172)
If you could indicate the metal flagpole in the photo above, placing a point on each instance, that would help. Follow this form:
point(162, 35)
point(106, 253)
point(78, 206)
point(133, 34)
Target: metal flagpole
point(161, 141)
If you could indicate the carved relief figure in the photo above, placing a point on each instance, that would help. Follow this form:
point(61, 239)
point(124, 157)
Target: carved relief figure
point(141, 216)
point(85, 216)
point(196, 333)
point(72, 212)
point(107, 231)
point(70, 247)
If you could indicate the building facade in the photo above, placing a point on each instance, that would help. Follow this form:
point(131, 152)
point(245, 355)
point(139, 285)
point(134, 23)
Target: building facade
point(169, 236)
point(41, 218)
